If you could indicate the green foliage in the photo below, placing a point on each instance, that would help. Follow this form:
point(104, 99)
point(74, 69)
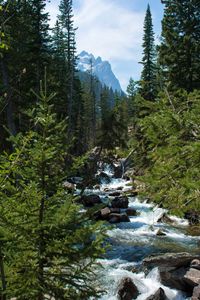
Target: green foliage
point(180, 44)
point(114, 124)
point(50, 247)
point(148, 77)
point(170, 138)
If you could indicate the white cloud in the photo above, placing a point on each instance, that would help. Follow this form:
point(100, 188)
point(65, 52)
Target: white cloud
point(109, 30)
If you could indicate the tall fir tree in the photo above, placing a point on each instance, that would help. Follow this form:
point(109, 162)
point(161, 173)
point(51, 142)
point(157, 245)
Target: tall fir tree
point(49, 247)
point(180, 46)
point(67, 28)
point(148, 76)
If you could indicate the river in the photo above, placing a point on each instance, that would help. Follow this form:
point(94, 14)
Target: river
point(132, 242)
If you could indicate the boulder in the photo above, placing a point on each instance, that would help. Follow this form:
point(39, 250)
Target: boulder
point(196, 293)
point(118, 172)
point(117, 218)
point(175, 279)
point(165, 219)
point(192, 277)
point(90, 200)
point(115, 194)
point(97, 187)
point(131, 212)
point(160, 233)
point(120, 188)
point(195, 263)
point(159, 295)
point(170, 261)
point(120, 202)
point(105, 212)
point(115, 210)
point(127, 290)
point(193, 217)
point(70, 187)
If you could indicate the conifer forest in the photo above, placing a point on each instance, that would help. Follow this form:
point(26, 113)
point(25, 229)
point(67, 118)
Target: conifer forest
point(99, 189)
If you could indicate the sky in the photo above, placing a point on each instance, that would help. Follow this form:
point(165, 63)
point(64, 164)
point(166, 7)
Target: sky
point(113, 29)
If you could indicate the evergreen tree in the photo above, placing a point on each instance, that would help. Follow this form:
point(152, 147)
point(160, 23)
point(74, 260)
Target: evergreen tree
point(148, 76)
point(49, 246)
point(180, 46)
point(68, 31)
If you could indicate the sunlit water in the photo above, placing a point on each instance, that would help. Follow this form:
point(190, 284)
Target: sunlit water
point(132, 242)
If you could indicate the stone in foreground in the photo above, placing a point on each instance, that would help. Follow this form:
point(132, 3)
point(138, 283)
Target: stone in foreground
point(127, 290)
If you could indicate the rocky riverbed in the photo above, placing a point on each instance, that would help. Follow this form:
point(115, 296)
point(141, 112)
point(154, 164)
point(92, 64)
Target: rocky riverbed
point(141, 230)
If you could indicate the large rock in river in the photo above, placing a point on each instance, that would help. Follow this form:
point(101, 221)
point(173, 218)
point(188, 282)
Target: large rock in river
point(120, 202)
point(196, 293)
point(159, 295)
point(90, 200)
point(117, 218)
point(175, 270)
point(170, 261)
point(127, 290)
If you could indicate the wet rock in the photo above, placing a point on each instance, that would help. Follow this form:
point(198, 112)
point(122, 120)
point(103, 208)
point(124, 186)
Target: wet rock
point(70, 187)
point(170, 261)
point(159, 295)
point(165, 219)
point(103, 177)
point(117, 218)
point(97, 187)
point(105, 212)
point(115, 194)
point(127, 290)
point(132, 193)
point(115, 210)
point(175, 279)
point(131, 212)
point(193, 217)
point(195, 264)
point(120, 202)
point(160, 233)
point(120, 188)
point(118, 172)
point(192, 277)
point(90, 200)
point(196, 293)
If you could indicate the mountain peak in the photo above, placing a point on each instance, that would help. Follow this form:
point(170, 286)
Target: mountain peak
point(101, 69)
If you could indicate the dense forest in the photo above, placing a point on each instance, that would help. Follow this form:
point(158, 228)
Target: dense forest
point(54, 126)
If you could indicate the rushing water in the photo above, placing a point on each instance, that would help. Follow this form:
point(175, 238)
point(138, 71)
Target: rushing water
point(131, 242)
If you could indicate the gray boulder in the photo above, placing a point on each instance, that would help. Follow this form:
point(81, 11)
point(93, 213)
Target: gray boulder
point(127, 290)
point(192, 277)
point(120, 202)
point(90, 200)
point(196, 293)
point(170, 261)
point(70, 187)
point(159, 295)
point(117, 218)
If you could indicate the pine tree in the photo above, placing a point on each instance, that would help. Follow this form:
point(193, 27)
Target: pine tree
point(67, 27)
point(148, 76)
point(180, 47)
point(49, 246)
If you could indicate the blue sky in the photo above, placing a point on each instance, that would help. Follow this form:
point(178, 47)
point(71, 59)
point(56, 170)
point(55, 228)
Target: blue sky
point(113, 29)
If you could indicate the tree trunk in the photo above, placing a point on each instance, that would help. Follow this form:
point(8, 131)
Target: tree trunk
point(9, 106)
point(3, 277)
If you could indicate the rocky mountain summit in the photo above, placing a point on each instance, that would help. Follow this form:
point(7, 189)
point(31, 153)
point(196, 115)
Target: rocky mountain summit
point(101, 69)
